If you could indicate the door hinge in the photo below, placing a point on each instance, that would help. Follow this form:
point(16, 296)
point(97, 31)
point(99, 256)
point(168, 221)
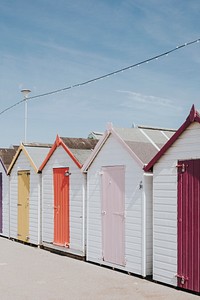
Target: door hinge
point(182, 278)
point(182, 166)
point(140, 185)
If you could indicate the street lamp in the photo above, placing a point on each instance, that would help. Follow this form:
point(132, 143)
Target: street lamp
point(25, 92)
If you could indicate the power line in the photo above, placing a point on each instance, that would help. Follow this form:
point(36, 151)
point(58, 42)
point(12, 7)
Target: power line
point(103, 76)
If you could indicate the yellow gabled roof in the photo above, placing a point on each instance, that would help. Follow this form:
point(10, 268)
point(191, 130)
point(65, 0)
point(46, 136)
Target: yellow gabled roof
point(21, 148)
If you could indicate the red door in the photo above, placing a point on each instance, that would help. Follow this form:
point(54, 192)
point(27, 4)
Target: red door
point(113, 203)
point(61, 206)
point(189, 225)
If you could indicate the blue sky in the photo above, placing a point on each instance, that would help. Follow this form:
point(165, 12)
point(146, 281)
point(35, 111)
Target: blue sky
point(47, 45)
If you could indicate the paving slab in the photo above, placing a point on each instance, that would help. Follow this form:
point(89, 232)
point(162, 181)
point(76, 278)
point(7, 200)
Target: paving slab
point(29, 273)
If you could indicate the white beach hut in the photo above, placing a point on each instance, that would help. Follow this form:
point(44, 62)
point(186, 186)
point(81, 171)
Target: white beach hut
point(25, 192)
point(64, 195)
point(176, 207)
point(119, 198)
point(6, 156)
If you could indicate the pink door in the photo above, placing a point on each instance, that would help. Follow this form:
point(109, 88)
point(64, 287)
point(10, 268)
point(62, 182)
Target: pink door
point(113, 204)
point(189, 225)
point(61, 206)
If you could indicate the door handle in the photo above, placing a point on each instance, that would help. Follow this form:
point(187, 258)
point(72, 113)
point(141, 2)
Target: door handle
point(122, 215)
point(119, 214)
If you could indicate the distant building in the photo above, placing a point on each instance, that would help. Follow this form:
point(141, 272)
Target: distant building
point(95, 135)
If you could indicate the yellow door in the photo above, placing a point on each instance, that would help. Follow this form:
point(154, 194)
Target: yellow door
point(23, 205)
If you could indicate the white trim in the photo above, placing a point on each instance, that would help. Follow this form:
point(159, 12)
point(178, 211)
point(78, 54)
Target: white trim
point(144, 242)
point(9, 210)
point(96, 150)
point(152, 142)
point(40, 209)
point(84, 212)
point(165, 135)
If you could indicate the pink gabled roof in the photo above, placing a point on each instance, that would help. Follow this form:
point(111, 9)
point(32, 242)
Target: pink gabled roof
point(97, 148)
point(193, 116)
point(141, 142)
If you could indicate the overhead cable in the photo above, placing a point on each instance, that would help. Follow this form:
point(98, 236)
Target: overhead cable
point(102, 76)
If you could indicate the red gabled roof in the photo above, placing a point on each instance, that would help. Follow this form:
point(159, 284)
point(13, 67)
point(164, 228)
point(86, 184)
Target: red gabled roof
point(77, 148)
point(59, 142)
point(193, 116)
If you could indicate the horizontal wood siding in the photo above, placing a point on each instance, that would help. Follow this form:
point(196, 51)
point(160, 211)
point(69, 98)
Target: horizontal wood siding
point(165, 204)
point(22, 163)
point(5, 202)
point(77, 187)
point(113, 153)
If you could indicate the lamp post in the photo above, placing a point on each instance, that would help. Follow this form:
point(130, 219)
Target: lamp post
point(25, 92)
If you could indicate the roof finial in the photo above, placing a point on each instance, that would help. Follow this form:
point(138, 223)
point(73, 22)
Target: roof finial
point(109, 126)
point(192, 113)
point(58, 140)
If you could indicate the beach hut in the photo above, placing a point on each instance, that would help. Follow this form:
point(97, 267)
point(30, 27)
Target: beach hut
point(176, 207)
point(6, 156)
point(25, 192)
point(64, 195)
point(119, 198)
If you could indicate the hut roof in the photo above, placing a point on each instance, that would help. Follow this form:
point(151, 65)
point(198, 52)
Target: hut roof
point(141, 142)
point(194, 116)
point(35, 152)
point(6, 156)
point(144, 141)
point(79, 149)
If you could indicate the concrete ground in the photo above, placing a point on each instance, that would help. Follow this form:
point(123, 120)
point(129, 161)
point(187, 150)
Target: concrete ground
point(28, 273)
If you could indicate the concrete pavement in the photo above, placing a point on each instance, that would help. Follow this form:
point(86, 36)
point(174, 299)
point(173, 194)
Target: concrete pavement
point(29, 273)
